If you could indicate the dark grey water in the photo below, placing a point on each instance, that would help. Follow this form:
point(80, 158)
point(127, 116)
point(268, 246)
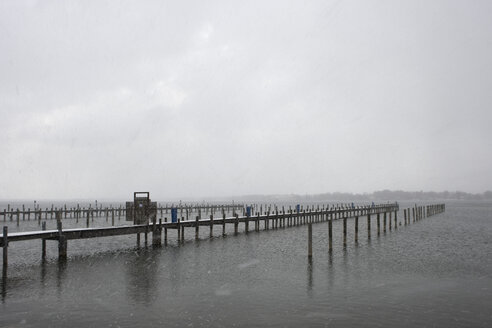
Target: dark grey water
point(437, 272)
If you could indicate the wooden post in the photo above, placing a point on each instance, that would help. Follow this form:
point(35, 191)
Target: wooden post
point(344, 231)
point(330, 233)
point(378, 223)
point(356, 229)
point(88, 218)
point(112, 217)
point(396, 220)
point(43, 243)
point(178, 228)
point(236, 225)
point(310, 240)
point(369, 226)
point(223, 223)
point(5, 247)
point(384, 222)
point(62, 242)
point(165, 231)
point(211, 225)
point(197, 228)
point(389, 213)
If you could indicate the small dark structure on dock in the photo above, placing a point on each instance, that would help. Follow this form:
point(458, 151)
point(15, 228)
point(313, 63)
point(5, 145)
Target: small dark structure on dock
point(141, 210)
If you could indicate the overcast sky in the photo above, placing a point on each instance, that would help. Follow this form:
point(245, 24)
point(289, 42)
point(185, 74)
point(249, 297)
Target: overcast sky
point(215, 98)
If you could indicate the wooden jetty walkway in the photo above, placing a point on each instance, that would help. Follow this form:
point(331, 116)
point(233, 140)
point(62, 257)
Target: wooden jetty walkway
point(274, 220)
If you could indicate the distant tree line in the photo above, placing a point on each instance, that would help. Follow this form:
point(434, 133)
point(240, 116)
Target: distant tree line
point(382, 195)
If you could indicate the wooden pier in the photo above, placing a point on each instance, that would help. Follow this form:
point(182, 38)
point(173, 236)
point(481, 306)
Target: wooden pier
point(280, 218)
point(78, 213)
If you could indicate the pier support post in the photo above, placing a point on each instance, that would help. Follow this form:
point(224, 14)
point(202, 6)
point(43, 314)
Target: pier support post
point(356, 237)
point(310, 240)
point(223, 224)
point(157, 234)
point(369, 226)
point(197, 227)
point(5, 244)
point(330, 233)
point(178, 228)
point(62, 243)
point(211, 225)
point(165, 232)
point(236, 225)
point(389, 221)
point(378, 222)
point(344, 231)
point(384, 222)
point(43, 243)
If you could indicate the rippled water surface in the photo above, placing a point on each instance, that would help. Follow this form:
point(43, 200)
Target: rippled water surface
point(436, 272)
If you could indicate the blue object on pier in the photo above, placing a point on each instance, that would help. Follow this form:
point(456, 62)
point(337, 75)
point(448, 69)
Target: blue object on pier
point(248, 210)
point(298, 208)
point(174, 215)
point(353, 205)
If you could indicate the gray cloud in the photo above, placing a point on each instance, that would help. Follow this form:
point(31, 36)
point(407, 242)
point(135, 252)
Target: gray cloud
point(193, 99)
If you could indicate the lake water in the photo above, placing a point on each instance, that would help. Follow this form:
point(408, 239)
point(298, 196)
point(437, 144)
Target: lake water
point(433, 273)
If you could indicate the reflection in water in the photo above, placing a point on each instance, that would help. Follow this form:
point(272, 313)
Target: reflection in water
point(4, 283)
point(310, 276)
point(142, 272)
point(60, 277)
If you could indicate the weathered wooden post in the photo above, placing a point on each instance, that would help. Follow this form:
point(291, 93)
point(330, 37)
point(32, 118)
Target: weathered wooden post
point(5, 244)
point(344, 230)
point(165, 231)
point(197, 227)
point(267, 221)
point(368, 225)
point(356, 229)
point(330, 233)
point(62, 241)
point(156, 233)
point(223, 223)
point(178, 228)
point(112, 217)
point(384, 222)
point(43, 243)
point(211, 225)
point(389, 220)
point(236, 225)
point(145, 233)
point(310, 240)
point(88, 218)
point(396, 219)
point(378, 222)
